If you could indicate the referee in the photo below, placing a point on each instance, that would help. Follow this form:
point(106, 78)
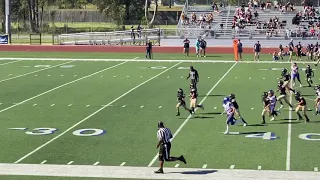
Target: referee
point(164, 135)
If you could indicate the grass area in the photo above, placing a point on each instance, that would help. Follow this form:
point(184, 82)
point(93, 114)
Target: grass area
point(107, 112)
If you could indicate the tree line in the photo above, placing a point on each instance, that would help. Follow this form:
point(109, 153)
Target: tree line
point(30, 12)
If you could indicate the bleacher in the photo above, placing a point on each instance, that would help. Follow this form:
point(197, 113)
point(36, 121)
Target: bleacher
point(221, 26)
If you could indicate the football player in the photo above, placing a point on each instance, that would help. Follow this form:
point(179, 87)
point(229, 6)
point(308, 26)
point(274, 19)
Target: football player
point(181, 102)
point(273, 101)
point(266, 104)
point(309, 75)
point(236, 107)
point(193, 99)
point(286, 77)
point(301, 105)
point(295, 74)
point(230, 110)
point(194, 76)
point(283, 95)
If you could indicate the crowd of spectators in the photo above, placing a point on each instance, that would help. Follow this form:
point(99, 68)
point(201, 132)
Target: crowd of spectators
point(307, 23)
point(249, 16)
point(202, 21)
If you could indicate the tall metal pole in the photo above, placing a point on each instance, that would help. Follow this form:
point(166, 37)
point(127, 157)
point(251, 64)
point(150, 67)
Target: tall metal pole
point(8, 20)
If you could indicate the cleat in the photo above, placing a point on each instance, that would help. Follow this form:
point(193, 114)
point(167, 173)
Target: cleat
point(244, 125)
point(272, 119)
point(300, 85)
point(178, 114)
point(191, 112)
point(182, 159)
point(160, 171)
point(263, 122)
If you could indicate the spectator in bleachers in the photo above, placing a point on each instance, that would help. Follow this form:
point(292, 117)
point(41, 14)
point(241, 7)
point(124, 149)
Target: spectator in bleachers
point(193, 17)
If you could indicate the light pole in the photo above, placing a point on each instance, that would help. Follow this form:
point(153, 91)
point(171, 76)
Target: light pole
point(8, 20)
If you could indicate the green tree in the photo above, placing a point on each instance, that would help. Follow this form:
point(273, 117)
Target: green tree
point(121, 10)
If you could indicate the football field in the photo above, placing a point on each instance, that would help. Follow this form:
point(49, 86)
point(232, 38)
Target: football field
point(101, 110)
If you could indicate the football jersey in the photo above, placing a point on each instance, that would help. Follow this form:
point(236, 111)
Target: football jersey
point(273, 100)
point(294, 70)
point(228, 108)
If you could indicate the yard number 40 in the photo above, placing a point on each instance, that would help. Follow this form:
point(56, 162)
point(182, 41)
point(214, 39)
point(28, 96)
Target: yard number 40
point(272, 136)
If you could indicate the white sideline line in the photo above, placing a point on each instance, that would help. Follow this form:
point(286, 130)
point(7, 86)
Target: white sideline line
point(70, 162)
point(177, 165)
point(144, 60)
point(188, 118)
point(96, 163)
point(10, 62)
point(289, 133)
point(32, 72)
point(259, 167)
point(232, 166)
point(204, 166)
point(43, 162)
point(58, 87)
point(129, 172)
point(94, 113)
point(123, 163)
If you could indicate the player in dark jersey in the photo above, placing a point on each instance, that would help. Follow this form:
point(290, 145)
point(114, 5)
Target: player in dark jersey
point(181, 102)
point(193, 99)
point(302, 105)
point(311, 51)
point(283, 95)
point(299, 50)
point(266, 105)
point(291, 49)
point(257, 50)
point(236, 107)
point(280, 53)
point(309, 75)
point(286, 77)
point(186, 47)
point(194, 76)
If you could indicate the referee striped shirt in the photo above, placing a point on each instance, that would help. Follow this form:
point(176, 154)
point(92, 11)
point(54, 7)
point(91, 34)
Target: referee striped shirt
point(164, 135)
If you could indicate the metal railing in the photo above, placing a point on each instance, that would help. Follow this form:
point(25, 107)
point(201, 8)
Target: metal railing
point(184, 11)
point(108, 38)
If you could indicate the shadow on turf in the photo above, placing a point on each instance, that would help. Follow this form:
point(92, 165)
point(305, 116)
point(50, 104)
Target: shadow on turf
point(199, 172)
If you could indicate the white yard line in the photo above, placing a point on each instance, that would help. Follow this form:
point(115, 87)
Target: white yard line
point(188, 118)
point(127, 172)
point(14, 77)
point(43, 162)
point(10, 62)
point(58, 87)
point(144, 60)
point(94, 113)
point(289, 133)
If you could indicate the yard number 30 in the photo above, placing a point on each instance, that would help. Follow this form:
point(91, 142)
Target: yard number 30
point(79, 132)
